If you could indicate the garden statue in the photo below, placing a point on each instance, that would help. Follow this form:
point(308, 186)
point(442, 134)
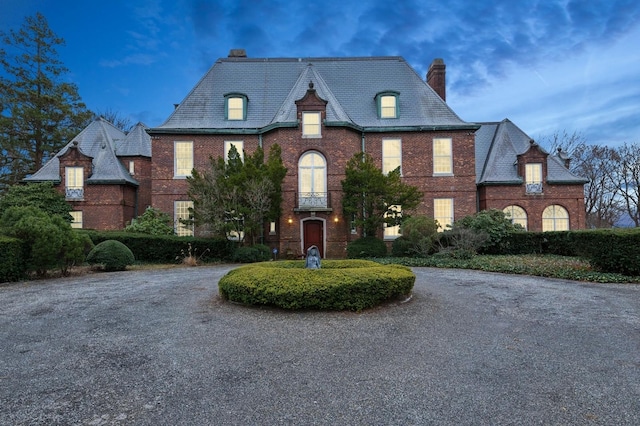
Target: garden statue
point(313, 258)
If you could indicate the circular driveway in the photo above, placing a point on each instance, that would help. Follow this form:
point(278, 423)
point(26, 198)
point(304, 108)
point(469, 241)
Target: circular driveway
point(470, 348)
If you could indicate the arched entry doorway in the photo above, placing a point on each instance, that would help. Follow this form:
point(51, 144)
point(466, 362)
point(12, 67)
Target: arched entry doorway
point(313, 235)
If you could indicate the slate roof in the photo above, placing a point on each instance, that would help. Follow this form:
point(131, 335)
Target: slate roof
point(103, 142)
point(497, 146)
point(273, 85)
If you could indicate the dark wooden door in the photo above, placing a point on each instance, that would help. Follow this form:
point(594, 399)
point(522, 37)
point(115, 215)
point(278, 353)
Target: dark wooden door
point(313, 235)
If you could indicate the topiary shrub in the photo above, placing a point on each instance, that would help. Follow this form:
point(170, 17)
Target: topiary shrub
point(338, 285)
point(366, 247)
point(251, 254)
point(112, 255)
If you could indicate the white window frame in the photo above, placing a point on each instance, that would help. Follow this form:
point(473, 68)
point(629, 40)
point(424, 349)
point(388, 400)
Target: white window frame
point(442, 158)
point(392, 232)
point(76, 222)
point(533, 178)
point(181, 211)
point(555, 218)
point(388, 106)
point(183, 159)
point(239, 147)
point(443, 217)
point(313, 193)
point(391, 157)
point(74, 183)
point(311, 129)
point(516, 214)
point(235, 111)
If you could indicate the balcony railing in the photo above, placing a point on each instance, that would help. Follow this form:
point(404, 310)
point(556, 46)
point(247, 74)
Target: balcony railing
point(313, 200)
point(534, 188)
point(74, 193)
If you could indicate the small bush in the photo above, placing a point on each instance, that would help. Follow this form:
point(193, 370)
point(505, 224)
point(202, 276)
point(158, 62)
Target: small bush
point(112, 255)
point(252, 254)
point(366, 247)
point(153, 222)
point(338, 285)
point(495, 225)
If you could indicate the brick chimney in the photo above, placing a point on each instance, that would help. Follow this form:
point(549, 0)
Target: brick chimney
point(237, 53)
point(436, 77)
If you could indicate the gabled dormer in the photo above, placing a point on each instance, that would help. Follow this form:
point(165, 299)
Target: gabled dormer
point(532, 166)
point(75, 169)
point(311, 113)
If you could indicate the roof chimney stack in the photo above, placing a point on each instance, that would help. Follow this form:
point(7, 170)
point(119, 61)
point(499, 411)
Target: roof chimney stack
point(237, 53)
point(436, 77)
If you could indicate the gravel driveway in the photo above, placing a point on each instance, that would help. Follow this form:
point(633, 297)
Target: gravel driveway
point(470, 348)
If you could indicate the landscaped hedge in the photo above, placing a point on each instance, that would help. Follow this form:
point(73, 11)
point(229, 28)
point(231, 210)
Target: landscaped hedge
point(12, 262)
point(338, 285)
point(167, 248)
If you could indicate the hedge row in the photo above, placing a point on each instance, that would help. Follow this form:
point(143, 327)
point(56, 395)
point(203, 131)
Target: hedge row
point(12, 262)
point(609, 250)
point(168, 249)
point(338, 285)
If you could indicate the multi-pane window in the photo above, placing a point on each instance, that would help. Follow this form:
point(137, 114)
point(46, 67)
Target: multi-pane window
point(311, 124)
point(235, 108)
point(442, 156)
point(238, 145)
point(183, 155)
point(181, 213)
point(443, 212)
point(388, 106)
point(517, 215)
point(533, 178)
point(74, 183)
point(391, 155)
point(392, 231)
point(312, 180)
point(76, 221)
point(555, 218)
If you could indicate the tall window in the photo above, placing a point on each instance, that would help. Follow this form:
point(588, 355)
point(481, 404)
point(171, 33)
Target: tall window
point(239, 145)
point(235, 107)
point(443, 212)
point(391, 155)
point(132, 167)
point(181, 211)
point(442, 157)
point(74, 183)
point(183, 155)
point(76, 221)
point(555, 218)
point(311, 124)
point(533, 178)
point(517, 215)
point(312, 180)
point(391, 232)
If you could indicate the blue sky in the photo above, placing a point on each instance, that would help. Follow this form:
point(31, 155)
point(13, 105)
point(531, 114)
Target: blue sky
point(547, 65)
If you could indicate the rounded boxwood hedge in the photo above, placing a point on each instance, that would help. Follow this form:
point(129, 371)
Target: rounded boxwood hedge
point(339, 285)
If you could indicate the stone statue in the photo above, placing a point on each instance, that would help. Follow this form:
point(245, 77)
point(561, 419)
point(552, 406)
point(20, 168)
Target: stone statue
point(313, 258)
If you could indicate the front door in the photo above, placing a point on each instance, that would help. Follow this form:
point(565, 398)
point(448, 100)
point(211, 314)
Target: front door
point(313, 235)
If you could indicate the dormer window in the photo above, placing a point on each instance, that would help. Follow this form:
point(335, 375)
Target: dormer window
point(533, 178)
point(387, 105)
point(311, 125)
point(235, 107)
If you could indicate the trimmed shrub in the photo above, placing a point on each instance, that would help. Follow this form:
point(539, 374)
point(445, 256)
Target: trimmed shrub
point(251, 254)
point(12, 262)
point(366, 247)
point(112, 255)
point(339, 285)
point(167, 248)
point(619, 252)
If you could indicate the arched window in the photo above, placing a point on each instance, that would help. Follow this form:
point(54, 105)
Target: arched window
point(312, 180)
point(235, 107)
point(555, 218)
point(387, 104)
point(517, 215)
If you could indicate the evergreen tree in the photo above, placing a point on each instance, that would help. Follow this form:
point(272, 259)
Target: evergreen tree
point(39, 111)
point(370, 196)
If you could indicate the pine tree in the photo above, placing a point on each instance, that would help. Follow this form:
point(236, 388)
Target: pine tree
point(39, 111)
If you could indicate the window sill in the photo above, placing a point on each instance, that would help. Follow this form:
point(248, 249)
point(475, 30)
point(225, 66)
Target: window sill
point(443, 175)
point(311, 136)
